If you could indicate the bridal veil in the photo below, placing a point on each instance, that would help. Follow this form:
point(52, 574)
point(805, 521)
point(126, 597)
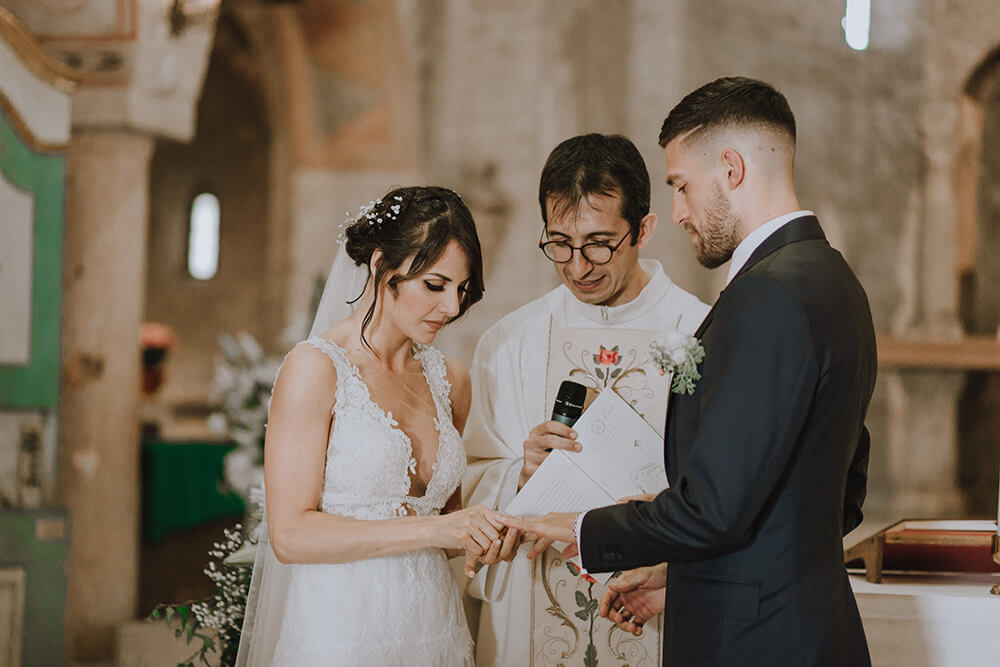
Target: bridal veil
point(269, 581)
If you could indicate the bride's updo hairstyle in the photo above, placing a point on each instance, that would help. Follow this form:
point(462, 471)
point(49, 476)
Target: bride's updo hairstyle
point(417, 222)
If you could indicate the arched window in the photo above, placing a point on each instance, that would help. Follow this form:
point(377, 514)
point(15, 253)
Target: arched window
point(857, 23)
point(203, 237)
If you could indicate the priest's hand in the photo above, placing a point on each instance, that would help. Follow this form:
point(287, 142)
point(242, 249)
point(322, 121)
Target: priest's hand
point(541, 440)
point(634, 597)
point(553, 527)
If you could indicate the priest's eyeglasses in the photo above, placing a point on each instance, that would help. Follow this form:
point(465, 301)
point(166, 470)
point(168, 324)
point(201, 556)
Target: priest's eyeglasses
point(561, 252)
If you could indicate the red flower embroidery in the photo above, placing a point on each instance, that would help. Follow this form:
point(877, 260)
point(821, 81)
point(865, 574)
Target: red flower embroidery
point(575, 571)
point(608, 357)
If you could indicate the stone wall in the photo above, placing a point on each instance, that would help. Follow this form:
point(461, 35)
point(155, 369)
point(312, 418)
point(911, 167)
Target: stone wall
point(502, 83)
point(489, 87)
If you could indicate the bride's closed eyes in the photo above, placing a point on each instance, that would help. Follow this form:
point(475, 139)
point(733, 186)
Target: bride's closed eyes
point(463, 289)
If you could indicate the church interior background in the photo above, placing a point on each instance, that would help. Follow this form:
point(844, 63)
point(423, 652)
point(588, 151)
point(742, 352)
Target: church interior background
point(126, 126)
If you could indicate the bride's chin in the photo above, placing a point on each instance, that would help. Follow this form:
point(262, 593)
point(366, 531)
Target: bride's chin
point(424, 337)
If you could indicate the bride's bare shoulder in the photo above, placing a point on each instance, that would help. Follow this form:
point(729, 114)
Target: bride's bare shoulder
point(307, 370)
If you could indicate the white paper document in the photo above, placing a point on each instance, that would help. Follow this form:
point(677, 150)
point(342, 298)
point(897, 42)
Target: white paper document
point(621, 456)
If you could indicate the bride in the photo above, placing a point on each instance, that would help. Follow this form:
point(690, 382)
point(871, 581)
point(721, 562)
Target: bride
point(363, 455)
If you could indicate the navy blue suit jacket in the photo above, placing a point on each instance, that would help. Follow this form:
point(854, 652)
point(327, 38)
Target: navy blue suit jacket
point(767, 462)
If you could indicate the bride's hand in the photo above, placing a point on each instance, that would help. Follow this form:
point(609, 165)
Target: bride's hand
point(474, 529)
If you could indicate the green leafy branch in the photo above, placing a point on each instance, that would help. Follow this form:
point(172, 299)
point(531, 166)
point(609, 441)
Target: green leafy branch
point(189, 627)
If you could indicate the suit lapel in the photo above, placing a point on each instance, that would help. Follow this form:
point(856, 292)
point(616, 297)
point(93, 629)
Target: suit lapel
point(805, 228)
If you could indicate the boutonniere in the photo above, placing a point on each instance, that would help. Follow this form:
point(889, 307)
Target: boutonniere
point(678, 353)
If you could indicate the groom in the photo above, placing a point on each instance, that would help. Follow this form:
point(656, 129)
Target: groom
point(768, 458)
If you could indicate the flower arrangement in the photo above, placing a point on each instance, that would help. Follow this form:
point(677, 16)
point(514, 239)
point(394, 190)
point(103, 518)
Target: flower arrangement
point(678, 353)
point(243, 381)
point(215, 621)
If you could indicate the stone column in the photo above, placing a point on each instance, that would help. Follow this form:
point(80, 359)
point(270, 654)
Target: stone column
point(921, 452)
point(99, 471)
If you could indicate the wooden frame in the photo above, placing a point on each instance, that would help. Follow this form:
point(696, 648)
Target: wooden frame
point(967, 353)
point(927, 546)
point(12, 585)
point(36, 384)
point(37, 543)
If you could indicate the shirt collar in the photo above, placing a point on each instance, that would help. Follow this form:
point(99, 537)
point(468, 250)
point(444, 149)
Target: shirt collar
point(755, 238)
point(580, 314)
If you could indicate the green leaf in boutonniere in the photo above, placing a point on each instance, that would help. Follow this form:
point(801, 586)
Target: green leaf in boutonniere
point(679, 354)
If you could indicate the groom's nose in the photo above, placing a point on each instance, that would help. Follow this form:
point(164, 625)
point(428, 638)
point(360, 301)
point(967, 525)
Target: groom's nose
point(678, 210)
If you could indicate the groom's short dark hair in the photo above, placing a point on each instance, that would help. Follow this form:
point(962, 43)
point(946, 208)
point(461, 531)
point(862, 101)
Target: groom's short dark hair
point(733, 101)
point(596, 164)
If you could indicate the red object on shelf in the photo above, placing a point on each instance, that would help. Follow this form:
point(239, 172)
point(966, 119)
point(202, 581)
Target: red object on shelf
point(938, 551)
point(926, 546)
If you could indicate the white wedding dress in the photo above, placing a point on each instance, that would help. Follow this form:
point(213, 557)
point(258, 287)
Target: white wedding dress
point(394, 610)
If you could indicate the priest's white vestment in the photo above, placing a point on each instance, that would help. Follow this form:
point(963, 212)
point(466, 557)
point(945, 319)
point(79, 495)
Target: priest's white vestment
point(508, 400)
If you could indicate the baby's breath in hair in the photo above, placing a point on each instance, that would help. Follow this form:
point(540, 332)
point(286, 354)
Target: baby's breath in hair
point(369, 213)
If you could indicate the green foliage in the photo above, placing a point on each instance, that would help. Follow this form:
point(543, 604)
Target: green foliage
point(214, 623)
point(588, 607)
point(188, 627)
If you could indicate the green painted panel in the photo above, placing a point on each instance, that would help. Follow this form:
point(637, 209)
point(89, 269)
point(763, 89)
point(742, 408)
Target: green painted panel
point(42, 176)
point(38, 541)
point(182, 486)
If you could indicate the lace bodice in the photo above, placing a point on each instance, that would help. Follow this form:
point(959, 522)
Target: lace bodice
point(369, 458)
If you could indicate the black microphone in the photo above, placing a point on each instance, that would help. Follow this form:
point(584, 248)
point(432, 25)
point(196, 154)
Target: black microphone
point(569, 402)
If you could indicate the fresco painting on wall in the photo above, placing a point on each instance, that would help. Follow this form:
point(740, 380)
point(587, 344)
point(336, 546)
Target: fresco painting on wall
point(346, 64)
point(94, 37)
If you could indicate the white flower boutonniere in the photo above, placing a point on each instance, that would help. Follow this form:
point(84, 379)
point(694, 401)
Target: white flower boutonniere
point(678, 353)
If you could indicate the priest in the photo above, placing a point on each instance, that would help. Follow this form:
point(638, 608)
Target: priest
point(594, 197)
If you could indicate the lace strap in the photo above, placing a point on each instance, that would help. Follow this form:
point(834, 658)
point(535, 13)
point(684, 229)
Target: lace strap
point(436, 372)
point(345, 369)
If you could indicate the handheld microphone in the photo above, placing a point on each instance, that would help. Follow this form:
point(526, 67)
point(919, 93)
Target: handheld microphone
point(569, 402)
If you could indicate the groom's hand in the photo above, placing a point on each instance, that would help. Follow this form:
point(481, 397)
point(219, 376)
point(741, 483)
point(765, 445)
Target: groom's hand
point(553, 527)
point(540, 441)
point(644, 497)
point(634, 597)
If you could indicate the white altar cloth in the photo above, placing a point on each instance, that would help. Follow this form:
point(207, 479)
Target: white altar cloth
point(930, 620)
